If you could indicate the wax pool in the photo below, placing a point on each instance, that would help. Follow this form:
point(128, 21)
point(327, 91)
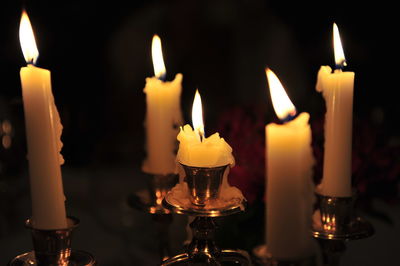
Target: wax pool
point(210, 152)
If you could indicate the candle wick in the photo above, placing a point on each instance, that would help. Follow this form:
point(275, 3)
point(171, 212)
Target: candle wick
point(289, 117)
point(340, 66)
point(163, 77)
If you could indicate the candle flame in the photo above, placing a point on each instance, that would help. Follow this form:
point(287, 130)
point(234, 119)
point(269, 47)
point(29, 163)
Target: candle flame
point(283, 107)
point(340, 60)
point(197, 115)
point(27, 39)
point(158, 60)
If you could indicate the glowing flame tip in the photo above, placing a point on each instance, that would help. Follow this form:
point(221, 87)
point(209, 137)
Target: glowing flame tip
point(27, 39)
point(340, 60)
point(283, 107)
point(197, 115)
point(157, 56)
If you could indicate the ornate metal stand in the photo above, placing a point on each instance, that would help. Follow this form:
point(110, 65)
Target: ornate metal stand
point(53, 248)
point(204, 186)
point(262, 257)
point(150, 201)
point(334, 223)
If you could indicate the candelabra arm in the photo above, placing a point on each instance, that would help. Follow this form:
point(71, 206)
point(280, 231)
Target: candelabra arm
point(332, 251)
point(163, 222)
point(203, 249)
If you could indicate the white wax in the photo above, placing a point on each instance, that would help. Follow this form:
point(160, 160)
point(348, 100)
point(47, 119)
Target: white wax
point(337, 89)
point(289, 188)
point(43, 131)
point(210, 152)
point(213, 151)
point(163, 118)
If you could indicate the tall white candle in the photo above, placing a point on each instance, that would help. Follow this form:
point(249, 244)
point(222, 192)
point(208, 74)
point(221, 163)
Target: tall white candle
point(163, 116)
point(43, 131)
point(289, 186)
point(337, 89)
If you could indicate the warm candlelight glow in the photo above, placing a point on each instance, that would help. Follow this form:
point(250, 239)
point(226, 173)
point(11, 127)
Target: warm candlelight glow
point(27, 39)
point(340, 60)
point(197, 115)
point(283, 107)
point(157, 56)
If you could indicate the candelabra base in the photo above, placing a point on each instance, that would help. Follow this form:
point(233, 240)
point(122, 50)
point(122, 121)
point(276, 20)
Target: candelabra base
point(226, 257)
point(77, 258)
point(262, 257)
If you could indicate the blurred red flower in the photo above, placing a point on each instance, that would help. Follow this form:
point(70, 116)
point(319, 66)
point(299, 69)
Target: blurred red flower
point(375, 165)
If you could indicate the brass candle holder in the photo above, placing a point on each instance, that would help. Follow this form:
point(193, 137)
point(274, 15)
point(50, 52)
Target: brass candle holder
point(334, 224)
point(149, 201)
point(53, 248)
point(204, 185)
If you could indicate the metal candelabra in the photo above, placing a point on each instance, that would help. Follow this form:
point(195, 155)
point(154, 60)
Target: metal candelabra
point(150, 201)
point(204, 185)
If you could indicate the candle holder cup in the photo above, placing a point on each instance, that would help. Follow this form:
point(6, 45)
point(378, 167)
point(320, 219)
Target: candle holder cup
point(53, 248)
point(204, 183)
point(203, 250)
point(335, 218)
point(334, 223)
point(262, 257)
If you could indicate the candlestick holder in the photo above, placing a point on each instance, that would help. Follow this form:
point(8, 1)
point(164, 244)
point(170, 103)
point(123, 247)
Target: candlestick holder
point(203, 201)
point(335, 223)
point(53, 248)
point(149, 201)
point(262, 257)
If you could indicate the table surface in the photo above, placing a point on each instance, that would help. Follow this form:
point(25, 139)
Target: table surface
point(115, 234)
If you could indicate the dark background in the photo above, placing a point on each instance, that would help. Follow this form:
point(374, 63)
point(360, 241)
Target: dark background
point(99, 57)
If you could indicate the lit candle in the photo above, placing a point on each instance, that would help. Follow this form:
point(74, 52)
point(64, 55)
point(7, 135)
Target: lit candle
point(195, 149)
point(289, 186)
point(163, 116)
point(337, 89)
point(43, 132)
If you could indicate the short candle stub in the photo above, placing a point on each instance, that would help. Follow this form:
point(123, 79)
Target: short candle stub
point(204, 183)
